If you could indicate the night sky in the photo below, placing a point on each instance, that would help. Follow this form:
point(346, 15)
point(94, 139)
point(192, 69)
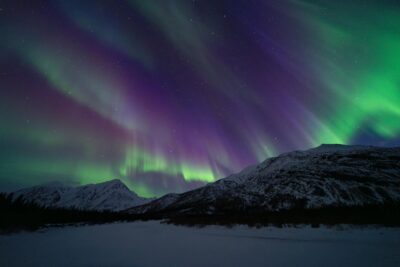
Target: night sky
point(169, 95)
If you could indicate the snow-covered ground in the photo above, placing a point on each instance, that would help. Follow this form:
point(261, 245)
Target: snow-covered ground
point(154, 244)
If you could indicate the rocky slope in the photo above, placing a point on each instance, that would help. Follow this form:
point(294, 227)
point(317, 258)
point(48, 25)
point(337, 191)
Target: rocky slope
point(111, 196)
point(326, 176)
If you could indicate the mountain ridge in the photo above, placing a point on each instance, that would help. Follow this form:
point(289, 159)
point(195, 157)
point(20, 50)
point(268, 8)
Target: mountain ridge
point(325, 176)
point(112, 195)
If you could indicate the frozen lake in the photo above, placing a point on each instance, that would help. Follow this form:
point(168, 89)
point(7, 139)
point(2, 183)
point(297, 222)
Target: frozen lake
point(153, 244)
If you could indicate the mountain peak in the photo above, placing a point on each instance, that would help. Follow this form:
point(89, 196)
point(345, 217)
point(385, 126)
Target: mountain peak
point(333, 146)
point(338, 147)
point(326, 176)
point(112, 182)
point(111, 195)
point(116, 180)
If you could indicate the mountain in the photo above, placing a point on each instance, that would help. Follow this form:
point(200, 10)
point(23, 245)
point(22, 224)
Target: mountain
point(326, 176)
point(111, 196)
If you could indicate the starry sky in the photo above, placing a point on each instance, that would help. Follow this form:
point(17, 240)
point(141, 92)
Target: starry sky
point(169, 95)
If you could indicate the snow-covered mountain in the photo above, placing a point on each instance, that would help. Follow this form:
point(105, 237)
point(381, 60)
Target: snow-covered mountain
point(111, 196)
point(326, 176)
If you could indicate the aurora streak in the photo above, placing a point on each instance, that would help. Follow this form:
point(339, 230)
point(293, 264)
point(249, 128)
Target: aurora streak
point(168, 95)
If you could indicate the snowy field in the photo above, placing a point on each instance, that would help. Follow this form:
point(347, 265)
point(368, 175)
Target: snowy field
point(143, 244)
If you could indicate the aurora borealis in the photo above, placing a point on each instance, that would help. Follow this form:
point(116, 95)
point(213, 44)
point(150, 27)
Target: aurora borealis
point(168, 95)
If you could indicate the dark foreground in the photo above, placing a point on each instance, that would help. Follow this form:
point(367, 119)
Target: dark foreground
point(21, 216)
point(151, 244)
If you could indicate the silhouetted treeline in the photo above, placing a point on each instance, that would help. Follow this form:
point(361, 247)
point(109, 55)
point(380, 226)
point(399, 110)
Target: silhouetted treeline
point(20, 215)
point(387, 215)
